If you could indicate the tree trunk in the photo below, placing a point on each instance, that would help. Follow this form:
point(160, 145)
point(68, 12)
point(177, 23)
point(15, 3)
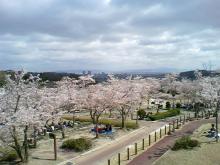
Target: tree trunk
point(73, 120)
point(157, 109)
point(45, 131)
point(96, 131)
point(148, 103)
point(137, 118)
point(193, 106)
point(63, 131)
point(92, 117)
point(110, 113)
point(173, 103)
point(123, 120)
point(17, 146)
point(17, 102)
point(35, 137)
point(25, 144)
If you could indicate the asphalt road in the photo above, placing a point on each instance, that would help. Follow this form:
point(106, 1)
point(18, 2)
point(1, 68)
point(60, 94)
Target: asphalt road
point(103, 153)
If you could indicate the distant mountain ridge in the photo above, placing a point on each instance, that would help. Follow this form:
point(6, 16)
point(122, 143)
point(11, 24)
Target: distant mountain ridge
point(101, 76)
point(150, 71)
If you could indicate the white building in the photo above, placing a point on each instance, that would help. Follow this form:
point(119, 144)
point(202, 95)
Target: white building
point(154, 103)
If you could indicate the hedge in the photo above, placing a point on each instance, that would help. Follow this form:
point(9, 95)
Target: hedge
point(141, 114)
point(185, 142)
point(7, 154)
point(114, 122)
point(163, 115)
point(77, 145)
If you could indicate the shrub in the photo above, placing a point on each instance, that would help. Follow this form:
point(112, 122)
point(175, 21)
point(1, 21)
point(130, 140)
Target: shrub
point(2, 79)
point(78, 145)
point(214, 114)
point(117, 123)
point(168, 105)
point(178, 105)
point(160, 106)
point(141, 114)
point(114, 122)
point(7, 154)
point(193, 143)
point(181, 143)
point(185, 142)
point(163, 115)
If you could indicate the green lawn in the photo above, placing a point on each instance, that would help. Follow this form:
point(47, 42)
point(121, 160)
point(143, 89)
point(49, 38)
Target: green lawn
point(114, 122)
point(207, 154)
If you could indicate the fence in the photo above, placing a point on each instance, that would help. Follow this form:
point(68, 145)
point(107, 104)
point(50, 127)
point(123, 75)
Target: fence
point(138, 147)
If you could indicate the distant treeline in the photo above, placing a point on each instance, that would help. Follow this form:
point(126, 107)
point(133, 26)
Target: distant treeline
point(143, 75)
point(54, 76)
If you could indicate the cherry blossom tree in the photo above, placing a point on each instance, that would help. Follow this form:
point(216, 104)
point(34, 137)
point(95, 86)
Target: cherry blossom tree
point(211, 93)
point(210, 88)
point(96, 99)
point(171, 86)
point(23, 105)
point(190, 91)
point(126, 97)
point(70, 92)
point(155, 90)
point(67, 91)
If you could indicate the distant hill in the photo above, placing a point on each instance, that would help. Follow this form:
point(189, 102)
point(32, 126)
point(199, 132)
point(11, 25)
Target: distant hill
point(191, 75)
point(54, 76)
point(46, 76)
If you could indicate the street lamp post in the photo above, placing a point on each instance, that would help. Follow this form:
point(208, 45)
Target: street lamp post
point(216, 119)
point(216, 123)
point(53, 136)
point(73, 118)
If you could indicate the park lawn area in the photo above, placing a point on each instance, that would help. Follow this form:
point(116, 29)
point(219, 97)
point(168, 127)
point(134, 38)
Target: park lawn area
point(114, 122)
point(206, 154)
point(43, 154)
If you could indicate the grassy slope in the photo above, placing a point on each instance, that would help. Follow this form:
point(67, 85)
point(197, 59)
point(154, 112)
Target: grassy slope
point(207, 154)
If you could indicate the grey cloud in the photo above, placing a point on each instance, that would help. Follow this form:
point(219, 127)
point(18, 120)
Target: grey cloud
point(116, 34)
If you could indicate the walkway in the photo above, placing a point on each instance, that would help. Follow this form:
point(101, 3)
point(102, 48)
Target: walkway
point(158, 149)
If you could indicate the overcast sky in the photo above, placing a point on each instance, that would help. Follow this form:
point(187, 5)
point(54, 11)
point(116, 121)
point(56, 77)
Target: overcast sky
point(56, 35)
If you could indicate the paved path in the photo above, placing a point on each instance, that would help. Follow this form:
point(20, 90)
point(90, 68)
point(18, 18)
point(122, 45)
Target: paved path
point(158, 149)
point(101, 155)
